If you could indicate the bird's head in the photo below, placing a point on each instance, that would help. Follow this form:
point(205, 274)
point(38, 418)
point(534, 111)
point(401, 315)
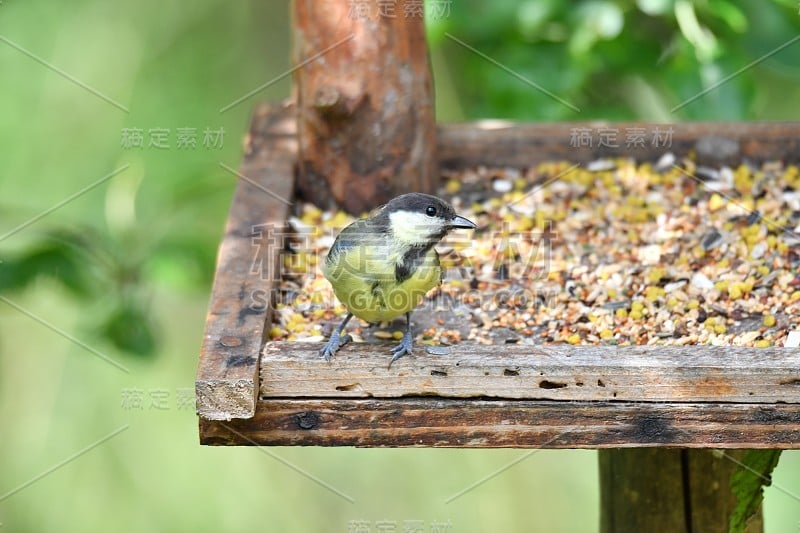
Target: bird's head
point(418, 219)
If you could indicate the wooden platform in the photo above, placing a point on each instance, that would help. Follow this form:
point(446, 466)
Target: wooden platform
point(478, 396)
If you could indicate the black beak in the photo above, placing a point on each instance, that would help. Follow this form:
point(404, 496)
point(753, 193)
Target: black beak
point(462, 223)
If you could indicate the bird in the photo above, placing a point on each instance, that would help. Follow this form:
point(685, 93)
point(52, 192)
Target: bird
point(380, 267)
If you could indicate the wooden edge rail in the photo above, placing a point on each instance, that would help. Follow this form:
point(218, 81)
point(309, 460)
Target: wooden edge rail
point(437, 422)
point(227, 376)
point(503, 143)
point(553, 372)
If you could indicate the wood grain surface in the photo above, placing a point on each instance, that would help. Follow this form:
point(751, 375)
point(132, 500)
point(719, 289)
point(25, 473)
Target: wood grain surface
point(227, 374)
point(558, 372)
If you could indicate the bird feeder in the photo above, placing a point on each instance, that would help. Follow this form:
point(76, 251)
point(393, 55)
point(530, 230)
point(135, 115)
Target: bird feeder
point(661, 400)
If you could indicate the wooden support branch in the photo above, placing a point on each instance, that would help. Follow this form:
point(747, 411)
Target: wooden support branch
point(365, 101)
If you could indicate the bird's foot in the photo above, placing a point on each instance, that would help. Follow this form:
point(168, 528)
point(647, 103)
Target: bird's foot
point(403, 348)
point(334, 343)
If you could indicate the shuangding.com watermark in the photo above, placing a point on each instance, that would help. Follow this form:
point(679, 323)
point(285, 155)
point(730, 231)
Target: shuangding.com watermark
point(157, 399)
point(629, 137)
point(185, 138)
point(282, 253)
point(531, 249)
point(375, 9)
point(514, 296)
point(399, 526)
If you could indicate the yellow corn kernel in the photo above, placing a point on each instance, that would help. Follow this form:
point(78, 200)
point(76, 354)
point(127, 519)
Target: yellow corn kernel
point(653, 293)
point(655, 275)
point(715, 202)
point(735, 291)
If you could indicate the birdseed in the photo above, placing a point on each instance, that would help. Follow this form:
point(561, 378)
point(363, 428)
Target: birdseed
point(616, 253)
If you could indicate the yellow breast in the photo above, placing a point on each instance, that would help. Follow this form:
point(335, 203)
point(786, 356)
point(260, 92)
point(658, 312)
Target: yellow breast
point(367, 285)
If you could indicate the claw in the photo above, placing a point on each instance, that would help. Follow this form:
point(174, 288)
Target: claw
point(405, 347)
point(334, 343)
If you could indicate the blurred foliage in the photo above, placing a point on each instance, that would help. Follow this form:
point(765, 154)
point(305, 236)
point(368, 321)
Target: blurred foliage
point(155, 224)
point(621, 59)
point(112, 272)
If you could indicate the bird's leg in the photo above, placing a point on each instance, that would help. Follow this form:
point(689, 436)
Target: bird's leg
point(337, 340)
point(405, 345)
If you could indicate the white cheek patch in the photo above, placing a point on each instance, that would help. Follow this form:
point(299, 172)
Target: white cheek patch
point(415, 228)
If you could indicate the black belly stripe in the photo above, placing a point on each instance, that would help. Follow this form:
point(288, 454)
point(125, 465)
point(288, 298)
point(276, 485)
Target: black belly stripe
point(410, 262)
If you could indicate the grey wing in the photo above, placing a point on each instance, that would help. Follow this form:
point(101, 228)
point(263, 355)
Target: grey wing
point(364, 251)
point(349, 237)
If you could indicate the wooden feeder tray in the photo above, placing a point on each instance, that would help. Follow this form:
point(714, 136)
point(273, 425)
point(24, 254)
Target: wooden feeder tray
point(557, 396)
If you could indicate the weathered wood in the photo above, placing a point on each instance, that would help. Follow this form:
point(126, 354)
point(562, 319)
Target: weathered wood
point(708, 485)
point(642, 489)
point(437, 422)
point(503, 143)
point(558, 372)
point(365, 101)
point(669, 491)
point(227, 375)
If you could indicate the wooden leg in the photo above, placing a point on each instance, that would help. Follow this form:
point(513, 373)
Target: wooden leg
point(669, 490)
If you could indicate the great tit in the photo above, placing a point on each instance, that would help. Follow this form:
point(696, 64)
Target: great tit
point(382, 266)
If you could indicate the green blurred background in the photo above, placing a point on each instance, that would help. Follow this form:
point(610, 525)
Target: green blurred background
point(123, 271)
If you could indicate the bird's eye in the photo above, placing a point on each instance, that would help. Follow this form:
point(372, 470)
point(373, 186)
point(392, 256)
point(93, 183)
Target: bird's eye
point(430, 211)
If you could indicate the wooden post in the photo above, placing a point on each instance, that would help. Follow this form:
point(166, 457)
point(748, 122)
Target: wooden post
point(669, 490)
point(366, 122)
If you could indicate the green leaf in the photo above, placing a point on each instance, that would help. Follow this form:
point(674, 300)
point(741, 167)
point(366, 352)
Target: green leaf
point(130, 329)
point(655, 7)
point(54, 257)
point(730, 13)
point(747, 484)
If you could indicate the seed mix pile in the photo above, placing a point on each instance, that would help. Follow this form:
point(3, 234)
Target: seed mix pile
point(613, 252)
